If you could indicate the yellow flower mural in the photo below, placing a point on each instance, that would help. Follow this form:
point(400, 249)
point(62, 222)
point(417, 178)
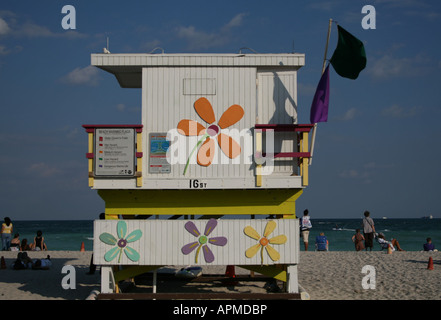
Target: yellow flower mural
point(264, 242)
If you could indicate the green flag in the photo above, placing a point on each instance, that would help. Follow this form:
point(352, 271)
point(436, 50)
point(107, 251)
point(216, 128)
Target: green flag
point(349, 57)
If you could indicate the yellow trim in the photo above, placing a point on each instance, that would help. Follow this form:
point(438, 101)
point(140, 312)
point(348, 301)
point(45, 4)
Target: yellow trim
point(132, 271)
point(90, 150)
point(270, 271)
point(111, 216)
point(201, 202)
point(305, 161)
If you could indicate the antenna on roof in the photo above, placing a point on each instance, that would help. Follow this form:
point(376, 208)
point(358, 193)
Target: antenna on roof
point(157, 48)
point(243, 48)
point(106, 49)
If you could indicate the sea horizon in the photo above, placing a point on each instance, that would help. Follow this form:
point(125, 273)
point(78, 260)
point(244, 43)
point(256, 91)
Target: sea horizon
point(62, 234)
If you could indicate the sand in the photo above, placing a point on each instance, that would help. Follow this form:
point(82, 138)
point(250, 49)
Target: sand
point(323, 275)
point(399, 276)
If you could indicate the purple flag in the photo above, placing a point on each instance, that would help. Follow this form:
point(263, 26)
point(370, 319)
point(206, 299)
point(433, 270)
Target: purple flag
point(320, 104)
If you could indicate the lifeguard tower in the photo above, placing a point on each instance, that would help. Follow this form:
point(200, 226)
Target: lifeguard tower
point(210, 175)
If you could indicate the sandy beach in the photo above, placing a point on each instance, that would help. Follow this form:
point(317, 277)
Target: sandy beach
point(323, 275)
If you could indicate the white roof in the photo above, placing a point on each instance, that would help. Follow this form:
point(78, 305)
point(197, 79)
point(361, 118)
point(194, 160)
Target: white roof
point(127, 67)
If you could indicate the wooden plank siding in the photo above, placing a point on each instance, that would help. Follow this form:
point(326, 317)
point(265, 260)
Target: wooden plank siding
point(162, 241)
point(264, 85)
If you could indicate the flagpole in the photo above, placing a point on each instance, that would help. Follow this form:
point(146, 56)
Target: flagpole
point(314, 132)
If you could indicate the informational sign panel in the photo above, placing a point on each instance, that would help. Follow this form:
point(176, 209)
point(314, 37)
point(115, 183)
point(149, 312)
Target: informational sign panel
point(158, 153)
point(115, 152)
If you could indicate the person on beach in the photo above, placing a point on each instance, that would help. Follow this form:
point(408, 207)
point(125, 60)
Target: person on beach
point(6, 232)
point(321, 242)
point(24, 245)
point(368, 231)
point(15, 243)
point(39, 244)
point(358, 239)
point(429, 246)
point(22, 261)
point(385, 244)
point(305, 226)
point(42, 264)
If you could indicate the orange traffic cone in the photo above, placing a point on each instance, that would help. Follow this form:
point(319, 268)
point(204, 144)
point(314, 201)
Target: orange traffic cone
point(430, 265)
point(3, 263)
point(231, 274)
point(82, 247)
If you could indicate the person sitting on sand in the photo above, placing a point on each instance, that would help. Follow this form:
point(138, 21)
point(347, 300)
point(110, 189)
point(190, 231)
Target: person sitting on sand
point(385, 244)
point(15, 243)
point(429, 246)
point(24, 245)
point(321, 242)
point(39, 244)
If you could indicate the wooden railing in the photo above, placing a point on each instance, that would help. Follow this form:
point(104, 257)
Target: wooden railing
point(300, 135)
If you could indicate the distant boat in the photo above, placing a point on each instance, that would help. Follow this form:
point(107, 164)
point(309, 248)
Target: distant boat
point(427, 217)
point(384, 218)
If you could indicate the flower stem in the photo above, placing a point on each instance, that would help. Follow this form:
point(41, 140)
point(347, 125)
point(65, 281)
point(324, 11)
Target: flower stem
point(197, 253)
point(194, 149)
point(119, 257)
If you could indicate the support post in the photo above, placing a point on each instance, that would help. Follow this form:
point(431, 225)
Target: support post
point(292, 283)
point(107, 280)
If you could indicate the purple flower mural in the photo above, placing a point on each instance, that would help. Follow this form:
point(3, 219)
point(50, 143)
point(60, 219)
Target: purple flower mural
point(203, 240)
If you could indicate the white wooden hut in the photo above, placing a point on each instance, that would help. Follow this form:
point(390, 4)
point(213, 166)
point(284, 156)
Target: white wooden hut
point(219, 136)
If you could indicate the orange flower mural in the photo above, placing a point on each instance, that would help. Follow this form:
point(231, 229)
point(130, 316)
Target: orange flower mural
point(207, 144)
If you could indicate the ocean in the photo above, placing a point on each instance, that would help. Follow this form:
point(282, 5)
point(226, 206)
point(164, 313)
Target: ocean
point(411, 233)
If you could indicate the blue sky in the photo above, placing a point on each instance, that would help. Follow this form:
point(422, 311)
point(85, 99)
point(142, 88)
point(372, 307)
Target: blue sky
point(379, 150)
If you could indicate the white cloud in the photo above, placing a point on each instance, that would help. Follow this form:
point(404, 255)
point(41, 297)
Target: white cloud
point(198, 39)
point(82, 76)
point(324, 5)
point(4, 28)
point(121, 107)
point(376, 166)
point(389, 66)
point(396, 111)
point(348, 115)
point(32, 30)
point(43, 170)
point(235, 22)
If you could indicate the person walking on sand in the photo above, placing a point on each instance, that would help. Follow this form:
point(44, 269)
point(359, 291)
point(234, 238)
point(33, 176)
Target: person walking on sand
point(358, 239)
point(368, 231)
point(6, 232)
point(305, 226)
